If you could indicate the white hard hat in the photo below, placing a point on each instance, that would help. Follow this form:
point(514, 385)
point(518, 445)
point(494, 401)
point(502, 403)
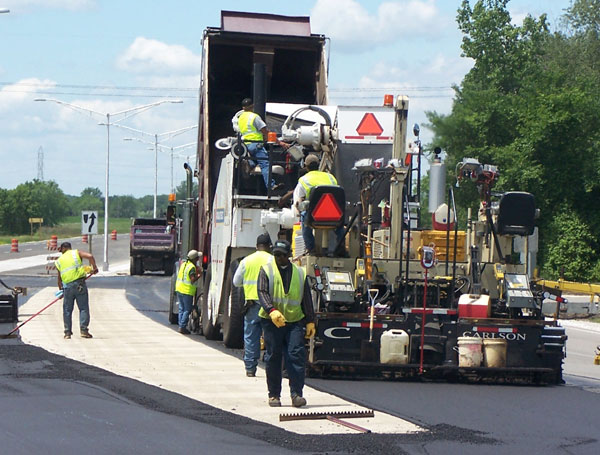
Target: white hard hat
point(193, 254)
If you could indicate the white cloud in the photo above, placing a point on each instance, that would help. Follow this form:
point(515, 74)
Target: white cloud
point(151, 56)
point(21, 93)
point(20, 5)
point(353, 28)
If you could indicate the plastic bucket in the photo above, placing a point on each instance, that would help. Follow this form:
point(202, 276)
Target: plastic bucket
point(469, 352)
point(494, 352)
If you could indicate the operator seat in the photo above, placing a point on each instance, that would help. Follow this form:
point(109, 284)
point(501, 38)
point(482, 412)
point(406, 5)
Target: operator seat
point(516, 215)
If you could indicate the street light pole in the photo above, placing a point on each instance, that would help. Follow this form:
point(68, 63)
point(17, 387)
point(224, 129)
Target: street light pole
point(131, 111)
point(169, 135)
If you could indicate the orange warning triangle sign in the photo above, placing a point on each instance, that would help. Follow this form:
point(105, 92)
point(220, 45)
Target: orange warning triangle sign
point(369, 126)
point(327, 209)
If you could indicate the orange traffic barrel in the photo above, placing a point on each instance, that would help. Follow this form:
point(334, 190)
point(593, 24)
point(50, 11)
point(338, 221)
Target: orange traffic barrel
point(14, 246)
point(53, 242)
point(84, 238)
point(113, 234)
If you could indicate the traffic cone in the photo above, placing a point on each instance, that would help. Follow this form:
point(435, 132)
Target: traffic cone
point(14, 246)
point(113, 234)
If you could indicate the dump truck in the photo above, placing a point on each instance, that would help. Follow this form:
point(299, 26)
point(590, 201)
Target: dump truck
point(152, 246)
point(272, 59)
point(404, 302)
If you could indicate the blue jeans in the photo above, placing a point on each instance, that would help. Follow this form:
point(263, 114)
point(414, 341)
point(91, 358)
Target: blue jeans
point(185, 308)
point(309, 237)
point(76, 291)
point(286, 341)
point(252, 332)
point(259, 154)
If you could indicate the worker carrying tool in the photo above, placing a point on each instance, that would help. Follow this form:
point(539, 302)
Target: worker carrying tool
point(71, 280)
point(286, 309)
point(246, 275)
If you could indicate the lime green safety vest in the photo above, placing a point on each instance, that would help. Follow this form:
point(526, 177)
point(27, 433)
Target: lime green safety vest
point(247, 128)
point(184, 285)
point(289, 304)
point(316, 178)
point(252, 265)
point(69, 266)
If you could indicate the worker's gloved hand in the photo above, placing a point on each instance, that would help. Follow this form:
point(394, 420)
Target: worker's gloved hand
point(59, 293)
point(310, 330)
point(277, 318)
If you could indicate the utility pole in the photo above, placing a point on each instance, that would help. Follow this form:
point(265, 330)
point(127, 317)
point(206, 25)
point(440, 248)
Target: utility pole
point(40, 162)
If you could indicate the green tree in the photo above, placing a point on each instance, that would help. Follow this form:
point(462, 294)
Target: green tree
point(93, 192)
point(36, 199)
point(123, 206)
point(531, 105)
point(181, 189)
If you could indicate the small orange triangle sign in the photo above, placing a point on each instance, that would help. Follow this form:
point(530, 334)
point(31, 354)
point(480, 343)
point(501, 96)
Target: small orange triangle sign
point(369, 126)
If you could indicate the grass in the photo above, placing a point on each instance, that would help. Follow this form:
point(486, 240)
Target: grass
point(70, 227)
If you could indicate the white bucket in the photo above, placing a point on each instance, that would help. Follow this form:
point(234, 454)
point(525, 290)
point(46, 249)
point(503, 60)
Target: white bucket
point(394, 347)
point(494, 352)
point(469, 352)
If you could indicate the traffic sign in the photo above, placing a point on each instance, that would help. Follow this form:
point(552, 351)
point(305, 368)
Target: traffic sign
point(89, 222)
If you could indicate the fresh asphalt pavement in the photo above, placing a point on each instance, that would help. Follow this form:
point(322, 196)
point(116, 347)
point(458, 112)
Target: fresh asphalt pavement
point(59, 405)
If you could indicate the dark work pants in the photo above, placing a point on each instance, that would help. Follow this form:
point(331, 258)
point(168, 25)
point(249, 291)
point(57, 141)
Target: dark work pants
point(286, 342)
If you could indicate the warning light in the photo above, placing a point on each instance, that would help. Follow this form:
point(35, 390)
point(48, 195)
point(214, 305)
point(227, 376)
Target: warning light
point(369, 126)
point(172, 197)
point(388, 100)
point(272, 137)
point(327, 209)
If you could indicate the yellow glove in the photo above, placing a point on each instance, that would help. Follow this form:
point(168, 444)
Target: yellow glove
point(277, 318)
point(88, 269)
point(310, 330)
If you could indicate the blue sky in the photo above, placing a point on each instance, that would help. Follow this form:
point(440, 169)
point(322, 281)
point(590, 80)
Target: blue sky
point(112, 55)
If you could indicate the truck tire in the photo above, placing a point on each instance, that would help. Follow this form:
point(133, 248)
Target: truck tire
point(132, 269)
point(169, 266)
point(210, 331)
point(233, 317)
point(139, 266)
point(173, 316)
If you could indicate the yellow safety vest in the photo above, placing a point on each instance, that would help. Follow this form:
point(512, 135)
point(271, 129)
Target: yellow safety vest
point(316, 178)
point(184, 285)
point(69, 266)
point(252, 265)
point(289, 304)
point(247, 128)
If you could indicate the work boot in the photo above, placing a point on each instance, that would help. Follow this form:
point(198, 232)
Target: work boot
point(184, 331)
point(274, 402)
point(85, 334)
point(298, 401)
point(68, 335)
point(250, 373)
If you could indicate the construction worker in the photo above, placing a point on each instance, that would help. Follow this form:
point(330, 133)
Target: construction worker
point(246, 275)
point(287, 317)
point(301, 195)
point(254, 134)
point(71, 280)
point(186, 289)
